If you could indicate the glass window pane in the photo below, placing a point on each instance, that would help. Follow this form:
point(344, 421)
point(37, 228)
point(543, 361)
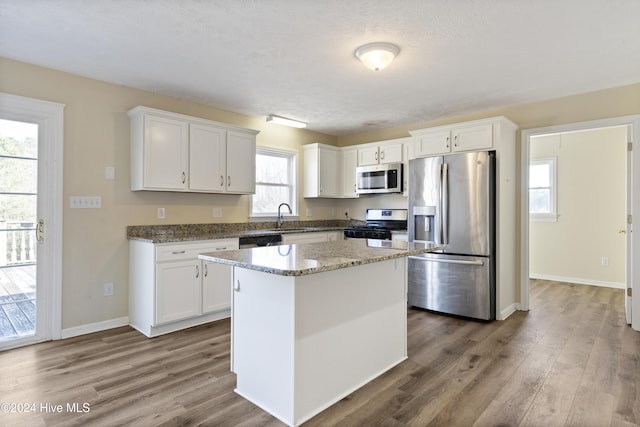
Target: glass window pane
point(539, 176)
point(18, 210)
point(272, 169)
point(18, 175)
point(540, 201)
point(267, 198)
point(18, 139)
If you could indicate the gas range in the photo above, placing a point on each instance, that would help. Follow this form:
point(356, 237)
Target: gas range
point(380, 223)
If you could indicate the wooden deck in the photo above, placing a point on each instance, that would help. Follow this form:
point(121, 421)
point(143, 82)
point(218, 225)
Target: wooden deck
point(17, 301)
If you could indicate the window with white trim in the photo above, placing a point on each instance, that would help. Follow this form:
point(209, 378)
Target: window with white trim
point(275, 182)
point(543, 189)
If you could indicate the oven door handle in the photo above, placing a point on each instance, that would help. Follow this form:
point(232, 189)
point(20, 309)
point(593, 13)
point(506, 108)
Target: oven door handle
point(447, 261)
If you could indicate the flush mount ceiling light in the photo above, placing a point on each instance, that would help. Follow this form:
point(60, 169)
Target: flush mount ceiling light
point(378, 55)
point(287, 122)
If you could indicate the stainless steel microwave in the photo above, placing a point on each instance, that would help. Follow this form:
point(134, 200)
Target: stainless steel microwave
point(379, 179)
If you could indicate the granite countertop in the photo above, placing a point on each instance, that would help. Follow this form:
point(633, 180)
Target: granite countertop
point(310, 258)
point(194, 232)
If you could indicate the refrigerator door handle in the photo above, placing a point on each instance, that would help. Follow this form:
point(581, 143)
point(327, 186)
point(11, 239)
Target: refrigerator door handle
point(447, 261)
point(445, 203)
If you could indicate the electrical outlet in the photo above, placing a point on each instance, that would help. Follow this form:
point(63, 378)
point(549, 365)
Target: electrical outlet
point(346, 213)
point(604, 261)
point(161, 214)
point(309, 212)
point(217, 212)
point(108, 289)
point(333, 212)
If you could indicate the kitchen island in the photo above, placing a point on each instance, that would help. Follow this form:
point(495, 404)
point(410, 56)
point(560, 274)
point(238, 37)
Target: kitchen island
point(313, 322)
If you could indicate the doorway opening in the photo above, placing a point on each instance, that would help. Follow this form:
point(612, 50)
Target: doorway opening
point(617, 231)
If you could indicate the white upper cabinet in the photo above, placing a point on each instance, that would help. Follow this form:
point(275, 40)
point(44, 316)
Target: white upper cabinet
point(467, 136)
point(174, 152)
point(161, 151)
point(380, 154)
point(241, 163)
point(321, 171)
point(433, 143)
point(473, 138)
point(207, 158)
point(349, 164)
point(329, 171)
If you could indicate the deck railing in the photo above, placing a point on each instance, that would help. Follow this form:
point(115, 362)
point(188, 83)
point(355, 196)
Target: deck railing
point(17, 243)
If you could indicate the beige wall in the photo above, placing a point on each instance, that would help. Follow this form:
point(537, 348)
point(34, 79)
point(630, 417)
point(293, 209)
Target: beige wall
point(591, 168)
point(97, 135)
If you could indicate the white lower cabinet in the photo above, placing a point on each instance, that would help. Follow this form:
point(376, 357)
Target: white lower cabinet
point(216, 291)
point(171, 289)
point(177, 291)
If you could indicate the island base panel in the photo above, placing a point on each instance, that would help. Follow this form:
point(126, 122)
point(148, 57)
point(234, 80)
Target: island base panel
point(303, 343)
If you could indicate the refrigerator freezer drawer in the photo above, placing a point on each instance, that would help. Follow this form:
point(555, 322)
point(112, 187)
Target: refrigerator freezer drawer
point(453, 284)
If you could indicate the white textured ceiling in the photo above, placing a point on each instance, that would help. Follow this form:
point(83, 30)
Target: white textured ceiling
point(294, 58)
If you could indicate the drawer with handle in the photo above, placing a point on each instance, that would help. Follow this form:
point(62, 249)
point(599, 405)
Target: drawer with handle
point(191, 250)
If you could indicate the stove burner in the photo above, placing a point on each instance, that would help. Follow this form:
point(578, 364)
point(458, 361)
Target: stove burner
point(379, 224)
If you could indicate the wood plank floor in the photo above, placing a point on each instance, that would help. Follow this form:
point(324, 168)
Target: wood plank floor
point(570, 361)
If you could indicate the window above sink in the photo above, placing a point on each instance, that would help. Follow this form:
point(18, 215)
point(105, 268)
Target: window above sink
point(276, 182)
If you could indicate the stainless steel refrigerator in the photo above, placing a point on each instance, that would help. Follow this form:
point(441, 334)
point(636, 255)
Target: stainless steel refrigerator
point(452, 201)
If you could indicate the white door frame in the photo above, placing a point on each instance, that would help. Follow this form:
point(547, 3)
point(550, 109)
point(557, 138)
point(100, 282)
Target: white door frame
point(633, 204)
point(50, 119)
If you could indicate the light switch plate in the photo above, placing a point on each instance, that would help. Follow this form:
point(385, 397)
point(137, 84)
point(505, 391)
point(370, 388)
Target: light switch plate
point(109, 172)
point(86, 202)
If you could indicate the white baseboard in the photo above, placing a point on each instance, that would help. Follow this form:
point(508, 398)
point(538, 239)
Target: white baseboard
point(578, 281)
point(508, 311)
point(94, 327)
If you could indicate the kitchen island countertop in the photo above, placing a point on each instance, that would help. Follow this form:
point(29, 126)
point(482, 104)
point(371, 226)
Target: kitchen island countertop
point(310, 258)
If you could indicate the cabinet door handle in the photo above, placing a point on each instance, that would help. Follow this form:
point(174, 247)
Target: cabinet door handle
point(228, 180)
point(184, 177)
point(221, 180)
point(221, 248)
point(381, 154)
point(448, 139)
point(375, 156)
point(206, 270)
point(197, 271)
point(236, 286)
point(178, 252)
point(455, 141)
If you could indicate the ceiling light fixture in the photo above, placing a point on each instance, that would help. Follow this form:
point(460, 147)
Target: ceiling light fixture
point(287, 122)
point(377, 55)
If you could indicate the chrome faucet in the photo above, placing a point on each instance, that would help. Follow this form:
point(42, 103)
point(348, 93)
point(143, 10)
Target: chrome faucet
point(280, 218)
